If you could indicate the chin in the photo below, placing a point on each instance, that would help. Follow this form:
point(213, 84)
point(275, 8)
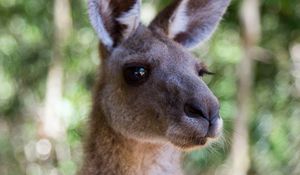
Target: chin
point(190, 144)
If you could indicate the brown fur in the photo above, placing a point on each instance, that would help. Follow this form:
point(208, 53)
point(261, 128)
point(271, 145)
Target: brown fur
point(136, 130)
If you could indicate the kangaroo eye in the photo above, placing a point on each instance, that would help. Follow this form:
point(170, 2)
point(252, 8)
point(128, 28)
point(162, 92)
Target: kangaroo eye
point(135, 75)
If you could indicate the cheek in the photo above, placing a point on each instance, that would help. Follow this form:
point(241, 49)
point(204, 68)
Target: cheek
point(134, 118)
point(111, 100)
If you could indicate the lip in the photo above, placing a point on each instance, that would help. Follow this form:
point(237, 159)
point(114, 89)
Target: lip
point(187, 143)
point(203, 141)
point(193, 133)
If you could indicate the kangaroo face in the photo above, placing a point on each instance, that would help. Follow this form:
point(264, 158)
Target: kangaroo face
point(152, 86)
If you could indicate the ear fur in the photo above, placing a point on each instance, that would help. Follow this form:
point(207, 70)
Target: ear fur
point(190, 22)
point(114, 20)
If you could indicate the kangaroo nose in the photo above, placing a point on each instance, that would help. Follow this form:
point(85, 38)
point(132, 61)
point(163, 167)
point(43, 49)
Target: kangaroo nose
point(209, 111)
point(210, 114)
point(194, 111)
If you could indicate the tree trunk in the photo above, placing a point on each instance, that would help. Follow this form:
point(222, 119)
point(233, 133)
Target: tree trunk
point(250, 20)
point(295, 54)
point(294, 119)
point(52, 125)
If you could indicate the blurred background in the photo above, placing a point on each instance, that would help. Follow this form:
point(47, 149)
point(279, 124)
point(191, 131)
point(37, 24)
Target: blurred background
point(48, 65)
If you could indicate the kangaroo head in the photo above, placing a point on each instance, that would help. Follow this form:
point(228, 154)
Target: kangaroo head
point(152, 88)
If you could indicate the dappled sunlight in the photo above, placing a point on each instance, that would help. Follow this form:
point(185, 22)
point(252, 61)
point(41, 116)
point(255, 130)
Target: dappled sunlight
point(42, 130)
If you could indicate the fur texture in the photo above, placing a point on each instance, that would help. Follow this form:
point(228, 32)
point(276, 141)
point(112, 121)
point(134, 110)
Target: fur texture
point(200, 19)
point(143, 129)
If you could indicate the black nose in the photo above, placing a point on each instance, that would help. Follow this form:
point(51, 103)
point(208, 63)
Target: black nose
point(194, 111)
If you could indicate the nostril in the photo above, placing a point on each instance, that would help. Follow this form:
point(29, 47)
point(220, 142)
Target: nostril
point(194, 111)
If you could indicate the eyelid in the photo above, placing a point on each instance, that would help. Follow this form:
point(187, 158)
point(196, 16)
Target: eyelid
point(136, 64)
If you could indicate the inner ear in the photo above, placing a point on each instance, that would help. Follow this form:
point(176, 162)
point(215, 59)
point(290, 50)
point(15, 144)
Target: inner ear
point(114, 20)
point(190, 22)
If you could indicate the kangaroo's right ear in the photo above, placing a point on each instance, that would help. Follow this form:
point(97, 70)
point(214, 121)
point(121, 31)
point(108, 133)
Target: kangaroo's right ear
point(190, 22)
point(114, 20)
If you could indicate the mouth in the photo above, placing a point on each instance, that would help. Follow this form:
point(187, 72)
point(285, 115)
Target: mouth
point(189, 137)
point(189, 143)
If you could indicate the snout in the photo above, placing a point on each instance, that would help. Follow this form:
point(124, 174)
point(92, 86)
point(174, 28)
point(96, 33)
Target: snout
point(194, 115)
point(199, 123)
point(207, 113)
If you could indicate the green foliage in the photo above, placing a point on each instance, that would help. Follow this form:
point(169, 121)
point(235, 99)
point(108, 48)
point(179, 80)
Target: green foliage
point(26, 50)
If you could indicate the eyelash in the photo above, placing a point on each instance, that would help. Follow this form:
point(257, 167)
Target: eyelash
point(204, 72)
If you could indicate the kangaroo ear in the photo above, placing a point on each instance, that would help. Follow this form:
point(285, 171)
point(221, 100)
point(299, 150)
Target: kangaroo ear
point(114, 20)
point(190, 22)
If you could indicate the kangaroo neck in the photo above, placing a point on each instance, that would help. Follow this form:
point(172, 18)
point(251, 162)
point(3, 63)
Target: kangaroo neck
point(110, 153)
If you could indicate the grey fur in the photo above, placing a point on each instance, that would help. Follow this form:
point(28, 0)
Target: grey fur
point(143, 129)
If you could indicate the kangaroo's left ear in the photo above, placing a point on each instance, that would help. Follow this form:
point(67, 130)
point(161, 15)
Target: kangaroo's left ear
point(190, 22)
point(114, 20)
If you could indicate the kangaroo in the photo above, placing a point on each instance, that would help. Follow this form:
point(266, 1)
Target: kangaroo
point(150, 103)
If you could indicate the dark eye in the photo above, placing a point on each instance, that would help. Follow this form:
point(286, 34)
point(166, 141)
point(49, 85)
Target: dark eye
point(203, 72)
point(135, 75)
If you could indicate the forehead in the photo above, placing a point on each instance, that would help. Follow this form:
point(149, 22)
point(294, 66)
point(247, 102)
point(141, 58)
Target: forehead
point(151, 48)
